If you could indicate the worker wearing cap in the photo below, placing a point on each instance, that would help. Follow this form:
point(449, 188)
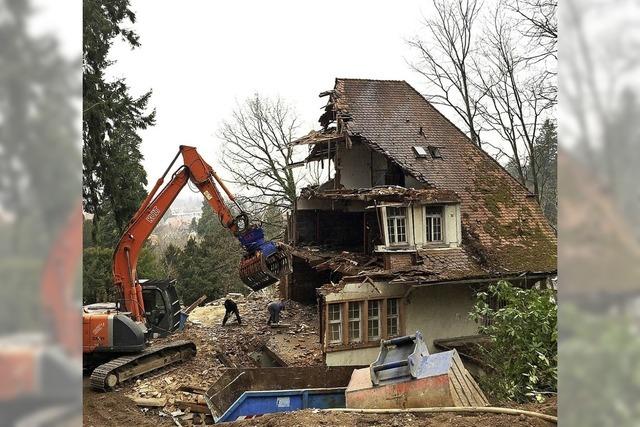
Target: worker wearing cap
point(274, 308)
point(230, 308)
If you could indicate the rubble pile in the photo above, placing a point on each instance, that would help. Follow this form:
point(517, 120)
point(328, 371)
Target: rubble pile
point(176, 392)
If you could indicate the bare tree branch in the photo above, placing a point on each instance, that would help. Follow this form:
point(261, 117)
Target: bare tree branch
point(257, 151)
point(446, 59)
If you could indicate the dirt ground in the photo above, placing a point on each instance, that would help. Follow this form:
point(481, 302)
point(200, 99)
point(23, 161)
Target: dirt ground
point(114, 410)
point(309, 418)
point(319, 418)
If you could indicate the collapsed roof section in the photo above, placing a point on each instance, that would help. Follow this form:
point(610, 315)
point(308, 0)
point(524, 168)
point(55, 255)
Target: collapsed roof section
point(503, 228)
point(431, 266)
point(322, 144)
point(383, 194)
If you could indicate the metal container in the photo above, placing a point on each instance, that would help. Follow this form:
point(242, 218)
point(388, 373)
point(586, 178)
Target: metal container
point(252, 404)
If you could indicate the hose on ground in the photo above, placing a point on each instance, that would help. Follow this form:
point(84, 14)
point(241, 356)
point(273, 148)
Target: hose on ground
point(468, 409)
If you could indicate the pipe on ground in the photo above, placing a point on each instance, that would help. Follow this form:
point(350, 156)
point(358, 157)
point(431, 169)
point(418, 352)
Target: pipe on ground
point(468, 409)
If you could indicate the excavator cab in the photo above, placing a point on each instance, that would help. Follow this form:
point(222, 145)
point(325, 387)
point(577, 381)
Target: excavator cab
point(265, 262)
point(161, 305)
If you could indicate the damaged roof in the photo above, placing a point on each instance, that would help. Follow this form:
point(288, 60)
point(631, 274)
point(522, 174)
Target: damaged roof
point(504, 229)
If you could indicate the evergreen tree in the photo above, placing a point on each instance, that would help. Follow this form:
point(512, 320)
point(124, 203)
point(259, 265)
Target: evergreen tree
point(545, 152)
point(113, 177)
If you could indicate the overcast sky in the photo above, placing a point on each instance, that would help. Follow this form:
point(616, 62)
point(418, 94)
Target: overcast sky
point(202, 57)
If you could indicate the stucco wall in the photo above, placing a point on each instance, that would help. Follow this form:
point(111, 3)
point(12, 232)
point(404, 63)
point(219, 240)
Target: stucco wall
point(354, 165)
point(360, 356)
point(440, 311)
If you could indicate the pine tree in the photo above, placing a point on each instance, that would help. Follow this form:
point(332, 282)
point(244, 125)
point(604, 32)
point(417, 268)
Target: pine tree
point(113, 177)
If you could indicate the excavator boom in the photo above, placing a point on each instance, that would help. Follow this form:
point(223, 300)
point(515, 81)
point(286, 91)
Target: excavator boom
point(264, 262)
point(123, 330)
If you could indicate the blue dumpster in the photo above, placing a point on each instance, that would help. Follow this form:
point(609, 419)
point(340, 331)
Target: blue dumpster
point(255, 403)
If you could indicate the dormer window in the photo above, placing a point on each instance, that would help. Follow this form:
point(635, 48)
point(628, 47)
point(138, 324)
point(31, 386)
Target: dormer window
point(433, 221)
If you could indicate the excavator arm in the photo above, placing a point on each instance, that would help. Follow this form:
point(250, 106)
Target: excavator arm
point(263, 264)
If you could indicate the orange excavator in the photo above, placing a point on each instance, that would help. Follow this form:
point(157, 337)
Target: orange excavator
point(115, 336)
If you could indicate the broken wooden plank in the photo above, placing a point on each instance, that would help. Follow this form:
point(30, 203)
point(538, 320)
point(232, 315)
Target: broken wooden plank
point(222, 358)
point(150, 402)
point(195, 304)
point(192, 389)
point(280, 325)
point(192, 406)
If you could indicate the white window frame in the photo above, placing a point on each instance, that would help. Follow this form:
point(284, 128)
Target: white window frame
point(393, 317)
point(428, 217)
point(393, 224)
point(354, 320)
point(371, 318)
point(334, 322)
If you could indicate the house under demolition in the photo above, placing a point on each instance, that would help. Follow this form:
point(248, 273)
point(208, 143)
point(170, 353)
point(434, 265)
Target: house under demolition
point(411, 222)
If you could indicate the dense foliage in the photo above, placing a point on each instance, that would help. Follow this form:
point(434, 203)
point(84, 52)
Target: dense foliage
point(524, 337)
point(113, 177)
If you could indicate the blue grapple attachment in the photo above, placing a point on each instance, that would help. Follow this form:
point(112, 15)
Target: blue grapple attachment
point(265, 262)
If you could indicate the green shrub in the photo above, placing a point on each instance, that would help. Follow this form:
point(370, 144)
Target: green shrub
point(523, 349)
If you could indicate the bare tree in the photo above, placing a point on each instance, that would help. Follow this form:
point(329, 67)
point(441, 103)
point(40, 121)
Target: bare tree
point(539, 22)
point(516, 101)
point(256, 152)
point(446, 59)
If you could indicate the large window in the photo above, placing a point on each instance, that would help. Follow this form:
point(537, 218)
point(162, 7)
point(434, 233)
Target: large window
point(363, 322)
point(434, 223)
point(393, 324)
point(397, 225)
point(335, 323)
point(373, 320)
point(354, 322)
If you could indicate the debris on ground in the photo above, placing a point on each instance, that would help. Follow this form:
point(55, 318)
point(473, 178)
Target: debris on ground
point(175, 395)
point(252, 344)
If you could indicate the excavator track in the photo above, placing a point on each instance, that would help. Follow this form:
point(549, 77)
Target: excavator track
point(124, 368)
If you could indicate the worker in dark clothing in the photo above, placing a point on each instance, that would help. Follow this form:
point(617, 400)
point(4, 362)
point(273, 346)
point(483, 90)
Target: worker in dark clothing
point(274, 308)
point(231, 308)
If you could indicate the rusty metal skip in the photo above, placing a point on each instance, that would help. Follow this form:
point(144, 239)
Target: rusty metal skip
point(405, 375)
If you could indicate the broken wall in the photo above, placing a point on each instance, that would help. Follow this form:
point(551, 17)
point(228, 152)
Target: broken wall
point(358, 166)
point(305, 280)
point(335, 229)
point(354, 165)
